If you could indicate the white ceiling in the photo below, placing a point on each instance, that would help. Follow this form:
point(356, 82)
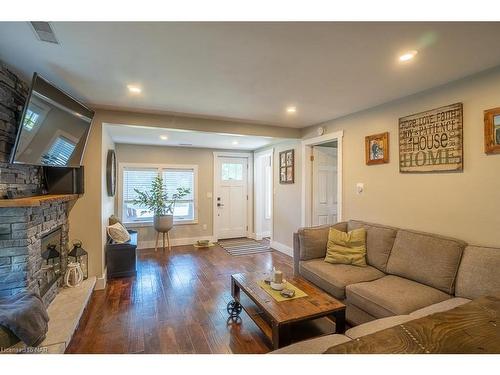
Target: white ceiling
point(251, 71)
point(142, 135)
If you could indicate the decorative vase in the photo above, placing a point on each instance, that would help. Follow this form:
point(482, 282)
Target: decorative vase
point(163, 223)
point(74, 275)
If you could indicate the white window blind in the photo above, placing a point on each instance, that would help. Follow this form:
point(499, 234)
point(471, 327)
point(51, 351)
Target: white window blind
point(142, 178)
point(60, 152)
point(180, 178)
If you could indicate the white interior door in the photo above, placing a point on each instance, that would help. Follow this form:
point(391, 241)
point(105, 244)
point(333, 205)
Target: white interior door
point(263, 188)
point(231, 197)
point(324, 185)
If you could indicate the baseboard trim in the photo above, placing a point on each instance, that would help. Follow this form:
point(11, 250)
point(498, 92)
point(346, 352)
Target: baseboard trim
point(173, 242)
point(260, 236)
point(282, 248)
point(100, 282)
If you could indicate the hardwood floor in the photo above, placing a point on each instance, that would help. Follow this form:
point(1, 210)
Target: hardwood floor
point(175, 304)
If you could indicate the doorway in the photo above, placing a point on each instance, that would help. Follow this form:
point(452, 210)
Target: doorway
point(324, 183)
point(264, 190)
point(322, 179)
point(231, 181)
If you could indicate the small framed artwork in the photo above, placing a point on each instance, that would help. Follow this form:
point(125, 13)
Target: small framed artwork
point(287, 167)
point(377, 148)
point(492, 131)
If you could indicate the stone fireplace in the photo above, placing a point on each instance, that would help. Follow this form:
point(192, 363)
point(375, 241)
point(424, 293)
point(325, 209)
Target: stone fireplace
point(26, 234)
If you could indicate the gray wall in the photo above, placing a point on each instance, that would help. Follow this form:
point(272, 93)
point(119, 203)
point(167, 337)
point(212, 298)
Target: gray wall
point(462, 205)
point(203, 158)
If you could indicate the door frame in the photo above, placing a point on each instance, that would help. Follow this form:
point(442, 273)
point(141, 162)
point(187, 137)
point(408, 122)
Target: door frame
point(236, 154)
point(306, 201)
point(258, 203)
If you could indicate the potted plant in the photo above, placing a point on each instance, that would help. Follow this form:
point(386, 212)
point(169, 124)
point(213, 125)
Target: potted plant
point(157, 201)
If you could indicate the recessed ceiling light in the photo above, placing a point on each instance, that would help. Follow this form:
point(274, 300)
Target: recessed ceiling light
point(235, 143)
point(291, 109)
point(134, 89)
point(164, 137)
point(407, 56)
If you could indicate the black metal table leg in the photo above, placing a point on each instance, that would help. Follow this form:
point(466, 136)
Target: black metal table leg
point(339, 318)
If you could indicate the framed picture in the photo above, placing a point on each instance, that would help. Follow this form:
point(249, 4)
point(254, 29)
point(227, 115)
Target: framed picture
point(377, 148)
point(492, 131)
point(287, 166)
point(432, 141)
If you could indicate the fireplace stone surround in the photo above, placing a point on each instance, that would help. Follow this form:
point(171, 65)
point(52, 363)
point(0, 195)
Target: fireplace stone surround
point(22, 231)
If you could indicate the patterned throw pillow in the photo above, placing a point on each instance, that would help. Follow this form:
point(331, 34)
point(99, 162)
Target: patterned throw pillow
point(347, 248)
point(118, 233)
point(113, 220)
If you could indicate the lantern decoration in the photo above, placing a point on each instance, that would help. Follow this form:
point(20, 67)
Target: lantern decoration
point(53, 262)
point(80, 256)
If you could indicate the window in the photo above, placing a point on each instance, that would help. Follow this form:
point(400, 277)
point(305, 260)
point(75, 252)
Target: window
point(59, 152)
point(141, 178)
point(232, 171)
point(30, 120)
point(176, 178)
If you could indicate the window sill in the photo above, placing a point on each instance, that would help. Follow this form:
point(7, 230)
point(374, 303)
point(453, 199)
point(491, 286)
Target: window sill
point(141, 224)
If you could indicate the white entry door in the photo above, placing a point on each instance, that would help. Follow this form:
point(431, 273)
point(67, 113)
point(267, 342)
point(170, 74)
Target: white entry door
point(231, 197)
point(324, 187)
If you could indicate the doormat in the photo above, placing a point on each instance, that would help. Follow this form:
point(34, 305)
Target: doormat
point(244, 246)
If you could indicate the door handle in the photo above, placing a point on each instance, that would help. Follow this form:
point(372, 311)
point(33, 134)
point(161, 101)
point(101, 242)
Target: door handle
point(220, 205)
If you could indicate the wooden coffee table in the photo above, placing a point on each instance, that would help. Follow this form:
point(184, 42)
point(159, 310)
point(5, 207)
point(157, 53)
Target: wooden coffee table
point(275, 318)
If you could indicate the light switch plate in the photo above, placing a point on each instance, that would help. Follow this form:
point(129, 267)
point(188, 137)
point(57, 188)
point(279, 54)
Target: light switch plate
point(360, 187)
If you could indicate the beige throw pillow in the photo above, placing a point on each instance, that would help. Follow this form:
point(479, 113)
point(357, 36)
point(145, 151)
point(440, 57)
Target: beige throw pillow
point(118, 233)
point(346, 248)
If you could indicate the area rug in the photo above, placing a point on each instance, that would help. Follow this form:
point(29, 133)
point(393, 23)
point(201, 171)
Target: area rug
point(244, 246)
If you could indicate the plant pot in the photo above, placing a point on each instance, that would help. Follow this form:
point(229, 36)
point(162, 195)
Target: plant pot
point(163, 223)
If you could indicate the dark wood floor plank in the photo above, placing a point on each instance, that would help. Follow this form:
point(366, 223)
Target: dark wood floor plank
point(175, 304)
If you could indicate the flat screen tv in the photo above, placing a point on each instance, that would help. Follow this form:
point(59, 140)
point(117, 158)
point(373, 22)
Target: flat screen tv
point(54, 128)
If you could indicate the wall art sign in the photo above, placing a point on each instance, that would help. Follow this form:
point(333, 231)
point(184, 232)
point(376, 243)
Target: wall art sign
point(432, 141)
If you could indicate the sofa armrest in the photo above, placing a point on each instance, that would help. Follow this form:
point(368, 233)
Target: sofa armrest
point(310, 243)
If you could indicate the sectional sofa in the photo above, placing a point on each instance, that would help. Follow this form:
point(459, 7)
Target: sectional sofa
point(409, 275)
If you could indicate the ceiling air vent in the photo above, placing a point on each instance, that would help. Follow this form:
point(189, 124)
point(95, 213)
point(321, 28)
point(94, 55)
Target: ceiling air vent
point(185, 144)
point(44, 32)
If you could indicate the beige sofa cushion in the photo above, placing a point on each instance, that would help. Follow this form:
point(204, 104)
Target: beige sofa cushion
point(355, 316)
point(313, 240)
point(427, 258)
point(377, 325)
point(479, 272)
point(333, 278)
point(315, 346)
point(392, 295)
point(439, 307)
point(379, 242)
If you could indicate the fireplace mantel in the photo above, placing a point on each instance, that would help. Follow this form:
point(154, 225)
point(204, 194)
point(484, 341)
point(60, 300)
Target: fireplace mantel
point(37, 200)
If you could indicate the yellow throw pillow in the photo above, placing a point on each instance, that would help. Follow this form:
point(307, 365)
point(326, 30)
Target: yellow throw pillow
point(346, 248)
